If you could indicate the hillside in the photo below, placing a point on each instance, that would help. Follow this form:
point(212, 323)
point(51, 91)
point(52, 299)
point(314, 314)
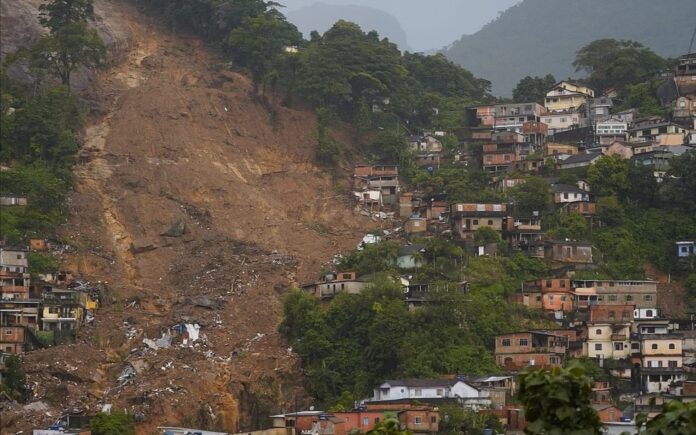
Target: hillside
point(321, 16)
point(175, 141)
point(537, 37)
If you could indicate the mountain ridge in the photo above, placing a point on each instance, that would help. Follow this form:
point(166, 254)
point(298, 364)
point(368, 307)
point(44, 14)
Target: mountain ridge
point(538, 37)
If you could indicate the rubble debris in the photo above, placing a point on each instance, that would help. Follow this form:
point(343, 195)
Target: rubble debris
point(177, 229)
point(368, 239)
point(127, 375)
point(205, 302)
point(39, 406)
point(140, 246)
point(192, 333)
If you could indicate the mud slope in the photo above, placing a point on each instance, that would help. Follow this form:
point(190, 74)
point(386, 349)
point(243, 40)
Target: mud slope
point(184, 141)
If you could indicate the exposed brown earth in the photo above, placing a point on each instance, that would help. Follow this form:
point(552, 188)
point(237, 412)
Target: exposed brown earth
point(183, 139)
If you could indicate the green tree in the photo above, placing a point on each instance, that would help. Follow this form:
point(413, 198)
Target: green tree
point(680, 182)
point(389, 426)
point(455, 420)
point(533, 195)
point(676, 418)
point(557, 402)
point(486, 235)
point(390, 147)
point(71, 43)
point(13, 378)
point(117, 423)
point(570, 226)
point(259, 42)
point(40, 262)
point(609, 176)
point(610, 62)
point(642, 96)
point(610, 211)
point(533, 89)
point(327, 147)
point(57, 14)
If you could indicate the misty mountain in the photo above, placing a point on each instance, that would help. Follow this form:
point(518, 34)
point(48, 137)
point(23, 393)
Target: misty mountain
point(321, 16)
point(537, 37)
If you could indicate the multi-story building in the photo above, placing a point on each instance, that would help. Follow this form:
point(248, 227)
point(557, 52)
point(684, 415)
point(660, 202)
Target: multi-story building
point(567, 96)
point(608, 340)
point(384, 178)
point(512, 117)
point(563, 120)
point(661, 361)
point(641, 294)
point(518, 350)
point(14, 260)
point(500, 157)
point(609, 130)
point(548, 294)
point(467, 218)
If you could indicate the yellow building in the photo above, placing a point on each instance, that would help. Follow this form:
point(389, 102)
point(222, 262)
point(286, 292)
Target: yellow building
point(567, 96)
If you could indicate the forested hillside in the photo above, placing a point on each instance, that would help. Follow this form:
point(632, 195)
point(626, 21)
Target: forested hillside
point(538, 37)
point(321, 16)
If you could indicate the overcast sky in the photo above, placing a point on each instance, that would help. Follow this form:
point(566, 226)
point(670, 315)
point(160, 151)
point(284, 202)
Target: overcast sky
point(429, 24)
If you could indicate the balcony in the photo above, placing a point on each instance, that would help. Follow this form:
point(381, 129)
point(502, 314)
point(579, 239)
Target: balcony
point(663, 370)
point(619, 337)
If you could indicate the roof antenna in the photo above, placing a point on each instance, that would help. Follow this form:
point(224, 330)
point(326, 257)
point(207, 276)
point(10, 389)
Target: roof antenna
point(691, 44)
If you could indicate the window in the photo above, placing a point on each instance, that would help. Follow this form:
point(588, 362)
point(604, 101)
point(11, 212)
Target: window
point(618, 346)
point(648, 313)
point(598, 346)
point(439, 392)
point(611, 315)
point(563, 298)
point(672, 364)
point(506, 157)
point(672, 346)
point(598, 332)
point(524, 342)
point(417, 420)
point(654, 346)
point(538, 298)
point(563, 120)
point(612, 298)
point(8, 332)
point(417, 392)
point(433, 419)
point(475, 222)
point(376, 420)
point(506, 342)
point(19, 256)
point(565, 196)
point(366, 421)
point(629, 298)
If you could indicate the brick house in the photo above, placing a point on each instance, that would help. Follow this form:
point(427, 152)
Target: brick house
point(467, 218)
point(518, 350)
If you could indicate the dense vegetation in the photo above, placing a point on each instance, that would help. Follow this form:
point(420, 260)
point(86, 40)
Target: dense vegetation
point(40, 121)
point(358, 341)
point(538, 37)
point(345, 70)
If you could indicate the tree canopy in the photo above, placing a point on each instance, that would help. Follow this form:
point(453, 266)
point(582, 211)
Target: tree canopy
point(533, 89)
point(618, 63)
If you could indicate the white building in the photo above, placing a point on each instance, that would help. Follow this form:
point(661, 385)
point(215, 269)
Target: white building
point(14, 260)
point(562, 121)
point(426, 389)
point(611, 126)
